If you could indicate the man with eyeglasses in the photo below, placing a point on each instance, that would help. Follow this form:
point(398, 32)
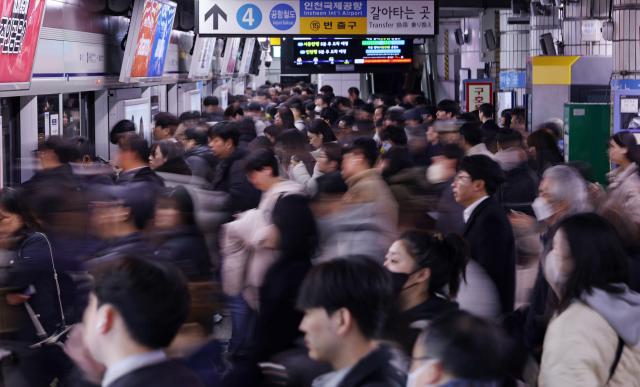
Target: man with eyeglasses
point(487, 228)
point(458, 349)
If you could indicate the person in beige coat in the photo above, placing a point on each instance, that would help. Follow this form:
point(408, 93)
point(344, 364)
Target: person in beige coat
point(366, 186)
point(594, 337)
point(624, 182)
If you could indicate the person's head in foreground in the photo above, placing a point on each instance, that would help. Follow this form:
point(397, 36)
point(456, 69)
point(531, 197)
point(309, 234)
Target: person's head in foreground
point(458, 347)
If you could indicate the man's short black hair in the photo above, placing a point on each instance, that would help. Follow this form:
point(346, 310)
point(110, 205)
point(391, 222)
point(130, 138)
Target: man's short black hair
point(190, 116)
point(344, 101)
point(448, 106)
point(471, 133)
point(331, 184)
point(395, 134)
point(261, 159)
point(354, 91)
point(467, 346)
point(508, 138)
point(134, 286)
point(326, 89)
point(325, 98)
point(348, 120)
point(64, 149)
point(232, 111)
point(211, 101)
point(134, 143)
point(396, 115)
point(226, 131)
point(487, 110)
point(121, 127)
point(451, 152)
point(198, 135)
point(166, 120)
point(356, 283)
point(481, 167)
point(367, 147)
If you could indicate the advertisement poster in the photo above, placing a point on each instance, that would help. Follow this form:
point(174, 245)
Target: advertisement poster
point(55, 125)
point(164, 24)
point(144, 42)
point(202, 59)
point(233, 56)
point(140, 114)
point(20, 22)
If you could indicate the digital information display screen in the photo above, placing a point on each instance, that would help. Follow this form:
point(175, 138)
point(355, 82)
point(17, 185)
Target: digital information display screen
point(328, 55)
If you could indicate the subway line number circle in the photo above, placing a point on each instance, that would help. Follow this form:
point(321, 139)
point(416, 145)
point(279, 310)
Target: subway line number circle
point(249, 17)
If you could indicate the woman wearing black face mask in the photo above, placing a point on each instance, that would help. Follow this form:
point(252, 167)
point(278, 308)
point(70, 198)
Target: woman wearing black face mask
point(426, 272)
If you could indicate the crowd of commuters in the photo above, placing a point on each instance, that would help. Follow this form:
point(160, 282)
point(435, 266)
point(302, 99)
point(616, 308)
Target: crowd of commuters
point(389, 242)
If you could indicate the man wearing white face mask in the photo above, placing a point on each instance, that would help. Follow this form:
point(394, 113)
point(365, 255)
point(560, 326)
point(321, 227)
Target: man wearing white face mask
point(562, 193)
point(458, 350)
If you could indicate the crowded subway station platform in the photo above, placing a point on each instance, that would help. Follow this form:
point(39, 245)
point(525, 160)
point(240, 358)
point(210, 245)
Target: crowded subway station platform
point(336, 193)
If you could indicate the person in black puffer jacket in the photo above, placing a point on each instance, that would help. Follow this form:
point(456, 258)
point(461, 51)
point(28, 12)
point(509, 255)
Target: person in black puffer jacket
point(197, 153)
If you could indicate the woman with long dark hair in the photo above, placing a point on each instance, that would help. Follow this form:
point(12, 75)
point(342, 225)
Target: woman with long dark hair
point(168, 156)
point(624, 182)
point(427, 272)
point(593, 337)
point(292, 151)
point(284, 118)
point(543, 151)
point(177, 236)
point(319, 132)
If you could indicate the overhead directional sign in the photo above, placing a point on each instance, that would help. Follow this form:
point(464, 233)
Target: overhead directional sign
point(215, 12)
point(314, 18)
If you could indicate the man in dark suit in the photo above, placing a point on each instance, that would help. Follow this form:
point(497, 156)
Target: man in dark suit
point(487, 229)
point(133, 158)
point(125, 327)
point(345, 303)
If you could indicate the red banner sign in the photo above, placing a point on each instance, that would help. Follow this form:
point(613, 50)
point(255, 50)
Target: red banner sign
point(20, 22)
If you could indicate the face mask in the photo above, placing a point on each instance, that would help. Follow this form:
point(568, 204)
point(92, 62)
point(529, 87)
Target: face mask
point(437, 173)
point(412, 379)
point(317, 109)
point(379, 123)
point(386, 146)
point(553, 272)
point(542, 209)
point(398, 281)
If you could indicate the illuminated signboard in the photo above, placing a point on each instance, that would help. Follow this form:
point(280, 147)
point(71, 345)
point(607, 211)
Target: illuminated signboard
point(148, 41)
point(20, 22)
point(327, 55)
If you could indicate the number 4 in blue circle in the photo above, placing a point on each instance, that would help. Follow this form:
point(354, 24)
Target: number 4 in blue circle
point(249, 16)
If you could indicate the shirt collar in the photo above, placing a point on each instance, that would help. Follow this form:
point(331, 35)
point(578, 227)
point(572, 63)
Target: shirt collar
point(466, 214)
point(130, 364)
